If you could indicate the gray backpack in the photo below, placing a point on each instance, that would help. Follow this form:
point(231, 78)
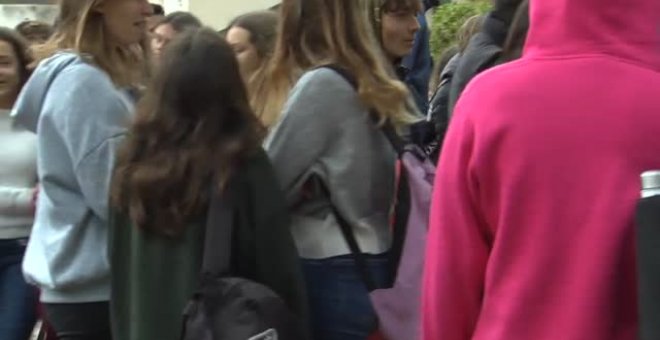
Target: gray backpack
point(232, 308)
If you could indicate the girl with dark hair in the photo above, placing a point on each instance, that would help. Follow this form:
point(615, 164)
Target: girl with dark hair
point(167, 29)
point(252, 36)
point(16, 61)
point(515, 41)
point(194, 132)
point(18, 178)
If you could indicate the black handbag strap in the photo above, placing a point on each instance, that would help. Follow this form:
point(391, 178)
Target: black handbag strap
point(218, 234)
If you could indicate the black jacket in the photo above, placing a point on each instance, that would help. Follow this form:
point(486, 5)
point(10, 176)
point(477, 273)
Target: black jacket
point(482, 53)
point(439, 107)
point(154, 276)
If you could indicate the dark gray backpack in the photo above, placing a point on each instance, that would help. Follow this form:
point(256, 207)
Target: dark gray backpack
point(233, 308)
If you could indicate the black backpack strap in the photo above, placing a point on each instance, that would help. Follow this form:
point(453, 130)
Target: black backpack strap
point(356, 252)
point(218, 235)
point(403, 206)
point(388, 129)
point(396, 141)
point(400, 225)
point(342, 72)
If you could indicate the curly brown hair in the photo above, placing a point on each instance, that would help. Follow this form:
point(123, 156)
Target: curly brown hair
point(192, 129)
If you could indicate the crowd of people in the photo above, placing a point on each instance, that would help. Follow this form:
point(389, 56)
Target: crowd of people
point(121, 124)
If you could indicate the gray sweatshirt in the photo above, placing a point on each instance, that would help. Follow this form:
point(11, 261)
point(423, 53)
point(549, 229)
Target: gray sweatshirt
point(79, 117)
point(326, 140)
point(18, 178)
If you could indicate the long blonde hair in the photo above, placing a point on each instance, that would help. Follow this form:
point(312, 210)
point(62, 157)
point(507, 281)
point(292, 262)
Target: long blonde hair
point(80, 29)
point(314, 33)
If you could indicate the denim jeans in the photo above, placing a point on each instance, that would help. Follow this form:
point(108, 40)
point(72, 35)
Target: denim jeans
point(339, 301)
point(18, 300)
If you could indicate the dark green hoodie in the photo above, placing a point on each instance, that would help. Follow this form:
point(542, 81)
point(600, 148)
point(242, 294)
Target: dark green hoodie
point(153, 276)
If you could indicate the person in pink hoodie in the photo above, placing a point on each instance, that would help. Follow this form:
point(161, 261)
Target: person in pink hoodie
point(532, 224)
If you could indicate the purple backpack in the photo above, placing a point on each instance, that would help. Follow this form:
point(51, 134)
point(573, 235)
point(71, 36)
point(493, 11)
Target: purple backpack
point(399, 306)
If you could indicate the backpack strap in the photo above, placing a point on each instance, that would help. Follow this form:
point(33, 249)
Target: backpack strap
point(356, 252)
point(393, 137)
point(388, 129)
point(399, 146)
point(218, 234)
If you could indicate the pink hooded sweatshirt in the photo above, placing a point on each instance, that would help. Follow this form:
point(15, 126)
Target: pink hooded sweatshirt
point(532, 233)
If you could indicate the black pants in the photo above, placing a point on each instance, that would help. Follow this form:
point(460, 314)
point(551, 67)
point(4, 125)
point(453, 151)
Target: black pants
point(80, 321)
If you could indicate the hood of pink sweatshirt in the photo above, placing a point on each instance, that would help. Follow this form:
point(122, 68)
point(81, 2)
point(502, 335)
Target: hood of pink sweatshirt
point(626, 29)
point(532, 232)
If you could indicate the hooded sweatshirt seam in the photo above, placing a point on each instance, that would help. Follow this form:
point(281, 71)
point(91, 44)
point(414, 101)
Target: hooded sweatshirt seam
point(517, 64)
point(96, 147)
point(593, 55)
point(86, 67)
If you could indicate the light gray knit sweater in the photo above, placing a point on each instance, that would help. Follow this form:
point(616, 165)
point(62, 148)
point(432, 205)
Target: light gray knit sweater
point(326, 138)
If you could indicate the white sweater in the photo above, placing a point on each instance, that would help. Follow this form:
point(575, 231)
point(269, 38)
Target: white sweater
point(18, 178)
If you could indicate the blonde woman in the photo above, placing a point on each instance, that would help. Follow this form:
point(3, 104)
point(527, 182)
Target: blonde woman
point(78, 98)
point(396, 27)
point(331, 157)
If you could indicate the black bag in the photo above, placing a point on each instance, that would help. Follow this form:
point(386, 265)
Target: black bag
point(648, 262)
point(232, 308)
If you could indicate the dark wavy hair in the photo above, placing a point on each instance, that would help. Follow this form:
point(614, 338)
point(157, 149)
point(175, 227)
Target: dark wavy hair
point(22, 52)
point(193, 129)
point(515, 41)
point(180, 21)
point(262, 26)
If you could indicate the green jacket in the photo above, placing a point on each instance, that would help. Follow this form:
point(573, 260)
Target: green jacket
point(153, 276)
